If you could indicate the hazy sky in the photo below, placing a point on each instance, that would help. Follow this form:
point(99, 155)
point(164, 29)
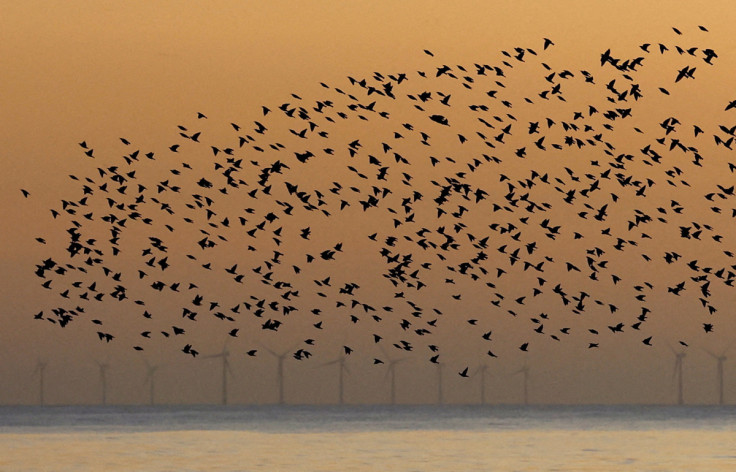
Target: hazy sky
point(87, 71)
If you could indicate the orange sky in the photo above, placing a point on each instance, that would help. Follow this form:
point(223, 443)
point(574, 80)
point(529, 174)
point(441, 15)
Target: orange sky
point(83, 71)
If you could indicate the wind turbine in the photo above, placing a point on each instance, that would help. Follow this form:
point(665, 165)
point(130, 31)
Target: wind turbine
point(225, 369)
point(391, 373)
point(720, 360)
point(525, 371)
point(103, 380)
point(150, 380)
point(41, 370)
point(280, 370)
point(343, 369)
point(677, 373)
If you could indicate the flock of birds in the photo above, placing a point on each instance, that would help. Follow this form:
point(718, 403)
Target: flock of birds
point(456, 205)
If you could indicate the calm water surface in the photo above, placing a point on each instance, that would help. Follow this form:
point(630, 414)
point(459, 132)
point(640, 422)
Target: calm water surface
point(367, 438)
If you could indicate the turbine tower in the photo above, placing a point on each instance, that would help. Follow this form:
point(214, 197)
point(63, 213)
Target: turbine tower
point(225, 369)
point(524, 370)
point(440, 393)
point(41, 370)
point(482, 371)
point(151, 381)
point(391, 373)
point(103, 380)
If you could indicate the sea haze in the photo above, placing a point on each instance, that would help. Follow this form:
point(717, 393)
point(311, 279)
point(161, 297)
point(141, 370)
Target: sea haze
point(324, 438)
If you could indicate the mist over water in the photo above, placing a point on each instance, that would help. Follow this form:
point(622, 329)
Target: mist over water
point(359, 438)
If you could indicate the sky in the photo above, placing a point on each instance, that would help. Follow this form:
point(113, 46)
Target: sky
point(92, 72)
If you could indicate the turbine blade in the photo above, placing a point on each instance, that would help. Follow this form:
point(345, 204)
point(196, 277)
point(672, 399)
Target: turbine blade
point(710, 353)
point(211, 356)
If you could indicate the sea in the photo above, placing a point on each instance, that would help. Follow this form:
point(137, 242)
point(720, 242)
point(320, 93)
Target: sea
point(447, 438)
